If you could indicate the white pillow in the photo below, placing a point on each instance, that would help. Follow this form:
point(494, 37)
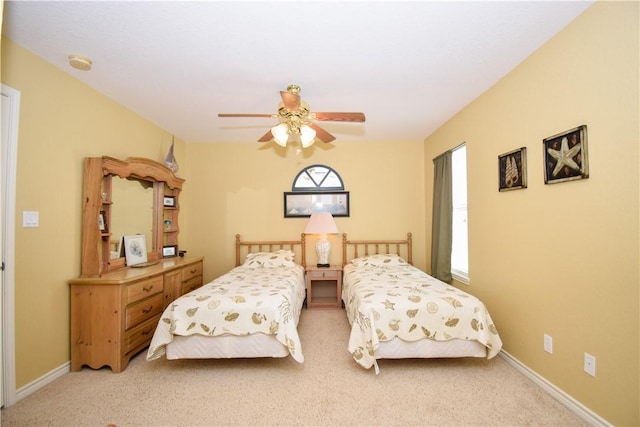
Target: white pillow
point(379, 260)
point(277, 259)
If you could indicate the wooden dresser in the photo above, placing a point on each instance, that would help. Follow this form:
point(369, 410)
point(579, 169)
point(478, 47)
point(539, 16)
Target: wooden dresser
point(114, 316)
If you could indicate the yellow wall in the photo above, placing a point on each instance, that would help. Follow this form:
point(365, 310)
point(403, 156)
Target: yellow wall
point(61, 122)
point(562, 259)
point(238, 189)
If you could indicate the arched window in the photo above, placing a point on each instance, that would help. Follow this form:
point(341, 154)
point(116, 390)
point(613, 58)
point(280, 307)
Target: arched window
point(317, 178)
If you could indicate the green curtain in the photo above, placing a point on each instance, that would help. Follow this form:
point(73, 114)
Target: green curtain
point(441, 226)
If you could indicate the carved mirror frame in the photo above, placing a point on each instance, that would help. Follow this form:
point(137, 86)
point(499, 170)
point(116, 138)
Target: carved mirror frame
point(97, 175)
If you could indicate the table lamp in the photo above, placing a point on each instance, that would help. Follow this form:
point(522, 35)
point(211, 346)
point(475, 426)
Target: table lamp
point(322, 223)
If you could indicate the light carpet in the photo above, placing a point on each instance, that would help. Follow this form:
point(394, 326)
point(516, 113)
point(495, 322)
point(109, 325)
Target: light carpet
point(329, 388)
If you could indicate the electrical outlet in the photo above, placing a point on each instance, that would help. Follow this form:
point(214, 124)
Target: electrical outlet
point(548, 344)
point(590, 364)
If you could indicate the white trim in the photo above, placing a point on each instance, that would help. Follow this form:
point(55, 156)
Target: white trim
point(9, 154)
point(459, 277)
point(44, 380)
point(569, 402)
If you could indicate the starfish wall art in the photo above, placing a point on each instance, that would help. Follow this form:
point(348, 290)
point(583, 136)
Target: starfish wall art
point(565, 156)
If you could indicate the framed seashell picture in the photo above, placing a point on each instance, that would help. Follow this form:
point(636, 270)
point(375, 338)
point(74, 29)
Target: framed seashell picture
point(512, 170)
point(565, 156)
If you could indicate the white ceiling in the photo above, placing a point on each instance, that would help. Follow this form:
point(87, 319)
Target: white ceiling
point(408, 65)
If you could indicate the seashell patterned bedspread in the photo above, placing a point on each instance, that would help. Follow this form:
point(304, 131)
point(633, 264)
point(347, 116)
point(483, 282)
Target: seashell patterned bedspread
point(383, 302)
point(243, 301)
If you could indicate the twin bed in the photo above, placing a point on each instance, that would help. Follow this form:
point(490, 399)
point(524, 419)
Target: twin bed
point(250, 311)
point(395, 310)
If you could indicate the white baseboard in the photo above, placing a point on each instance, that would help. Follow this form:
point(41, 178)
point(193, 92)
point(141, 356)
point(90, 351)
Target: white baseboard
point(37, 384)
point(573, 405)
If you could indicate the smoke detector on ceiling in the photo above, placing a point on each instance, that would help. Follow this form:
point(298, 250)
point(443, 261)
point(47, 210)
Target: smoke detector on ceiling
point(80, 62)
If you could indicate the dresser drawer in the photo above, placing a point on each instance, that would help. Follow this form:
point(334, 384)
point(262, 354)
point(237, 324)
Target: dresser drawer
point(324, 274)
point(191, 284)
point(139, 312)
point(143, 289)
point(191, 271)
point(140, 335)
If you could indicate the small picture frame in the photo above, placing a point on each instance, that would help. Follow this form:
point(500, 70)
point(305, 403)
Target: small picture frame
point(169, 201)
point(102, 222)
point(512, 170)
point(135, 249)
point(120, 249)
point(169, 251)
point(565, 156)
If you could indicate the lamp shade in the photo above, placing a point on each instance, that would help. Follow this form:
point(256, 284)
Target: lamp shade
point(321, 223)
point(307, 136)
point(280, 134)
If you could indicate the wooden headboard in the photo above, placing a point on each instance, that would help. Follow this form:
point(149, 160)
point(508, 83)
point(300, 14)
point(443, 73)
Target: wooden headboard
point(297, 246)
point(356, 248)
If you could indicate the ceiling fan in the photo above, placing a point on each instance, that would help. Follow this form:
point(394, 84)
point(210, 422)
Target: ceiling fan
point(296, 119)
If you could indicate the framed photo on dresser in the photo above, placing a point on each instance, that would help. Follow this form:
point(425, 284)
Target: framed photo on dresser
point(169, 251)
point(135, 249)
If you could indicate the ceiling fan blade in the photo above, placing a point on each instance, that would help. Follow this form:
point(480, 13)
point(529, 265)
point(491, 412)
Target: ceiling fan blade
point(290, 100)
point(266, 137)
point(273, 116)
point(340, 117)
point(322, 134)
point(295, 113)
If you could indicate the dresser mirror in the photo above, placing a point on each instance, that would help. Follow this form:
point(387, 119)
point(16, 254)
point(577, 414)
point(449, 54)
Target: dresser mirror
point(131, 212)
point(126, 197)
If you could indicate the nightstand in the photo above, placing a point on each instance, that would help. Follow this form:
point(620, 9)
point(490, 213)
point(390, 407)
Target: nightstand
point(324, 287)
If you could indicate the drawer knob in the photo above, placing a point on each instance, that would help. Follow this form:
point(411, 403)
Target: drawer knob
point(147, 289)
point(147, 310)
point(194, 270)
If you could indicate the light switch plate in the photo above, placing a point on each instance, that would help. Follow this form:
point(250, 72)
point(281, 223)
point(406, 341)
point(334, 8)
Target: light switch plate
point(30, 218)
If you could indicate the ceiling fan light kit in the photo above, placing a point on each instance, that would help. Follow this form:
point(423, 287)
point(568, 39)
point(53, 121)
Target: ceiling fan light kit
point(280, 134)
point(307, 136)
point(296, 119)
